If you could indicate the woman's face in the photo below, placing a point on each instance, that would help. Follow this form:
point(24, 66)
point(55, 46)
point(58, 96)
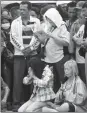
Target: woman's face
point(68, 71)
point(5, 24)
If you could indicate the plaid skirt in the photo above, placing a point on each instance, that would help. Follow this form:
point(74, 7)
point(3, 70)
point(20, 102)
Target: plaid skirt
point(43, 94)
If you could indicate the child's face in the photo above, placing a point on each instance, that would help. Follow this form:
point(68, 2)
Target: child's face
point(68, 71)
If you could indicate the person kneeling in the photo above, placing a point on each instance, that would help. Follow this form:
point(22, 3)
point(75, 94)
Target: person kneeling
point(42, 92)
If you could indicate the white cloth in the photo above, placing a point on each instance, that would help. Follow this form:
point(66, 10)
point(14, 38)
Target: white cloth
point(54, 51)
point(79, 35)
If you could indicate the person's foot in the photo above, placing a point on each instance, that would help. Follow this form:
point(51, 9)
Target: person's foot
point(9, 106)
point(15, 108)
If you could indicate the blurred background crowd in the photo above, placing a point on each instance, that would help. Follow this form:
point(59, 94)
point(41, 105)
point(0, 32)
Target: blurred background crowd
point(72, 14)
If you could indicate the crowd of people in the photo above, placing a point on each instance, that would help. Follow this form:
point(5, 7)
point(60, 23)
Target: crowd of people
point(44, 58)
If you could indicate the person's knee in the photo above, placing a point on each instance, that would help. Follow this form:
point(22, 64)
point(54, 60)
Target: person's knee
point(71, 107)
point(44, 109)
point(29, 110)
point(20, 110)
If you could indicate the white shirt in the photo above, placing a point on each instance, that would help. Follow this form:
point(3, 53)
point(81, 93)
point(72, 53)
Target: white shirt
point(79, 35)
point(16, 34)
point(54, 51)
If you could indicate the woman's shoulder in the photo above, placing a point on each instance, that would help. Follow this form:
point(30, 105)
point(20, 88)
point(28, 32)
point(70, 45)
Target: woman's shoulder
point(78, 80)
point(80, 83)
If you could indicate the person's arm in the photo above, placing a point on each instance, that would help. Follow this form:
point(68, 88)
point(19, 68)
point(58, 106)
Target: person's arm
point(7, 90)
point(14, 37)
point(44, 81)
point(52, 105)
point(78, 37)
point(34, 43)
point(81, 94)
point(63, 37)
point(3, 45)
point(71, 47)
point(58, 96)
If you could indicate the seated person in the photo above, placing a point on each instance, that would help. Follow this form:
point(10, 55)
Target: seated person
point(42, 91)
point(72, 94)
point(4, 95)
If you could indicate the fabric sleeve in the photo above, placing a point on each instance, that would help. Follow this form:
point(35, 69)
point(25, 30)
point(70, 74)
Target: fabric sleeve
point(81, 92)
point(14, 37)
point(44, 81)
point(34, 43)
point(64, 34)
point(79, 35)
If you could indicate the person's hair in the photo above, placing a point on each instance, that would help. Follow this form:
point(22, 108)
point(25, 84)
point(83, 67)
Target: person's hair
point(28, 3)
point(62, 12)
point(71, 4)
point(33, 63)
point(84, 5)
point(45, 8)
point(72, 63)
point(37, 11)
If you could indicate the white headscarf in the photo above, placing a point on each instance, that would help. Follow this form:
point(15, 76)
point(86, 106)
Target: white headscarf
point(54, 15)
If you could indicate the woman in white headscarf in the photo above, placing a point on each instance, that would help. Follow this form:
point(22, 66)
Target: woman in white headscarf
point(56, 32)
point(72, 93)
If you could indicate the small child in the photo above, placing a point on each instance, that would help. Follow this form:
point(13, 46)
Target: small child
point(42, 91)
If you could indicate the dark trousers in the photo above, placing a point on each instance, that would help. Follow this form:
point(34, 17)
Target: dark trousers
point(21, 92)
point(58, 70)
point(81, 69)
point(7, 75)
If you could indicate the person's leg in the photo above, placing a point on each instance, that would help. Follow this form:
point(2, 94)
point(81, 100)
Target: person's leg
point(60, 67)
point(24, 106)
point(19, 69)
point(59, 72)
point(34, 106)
point(65, 107)
point(47, 109)
point(81, 68)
